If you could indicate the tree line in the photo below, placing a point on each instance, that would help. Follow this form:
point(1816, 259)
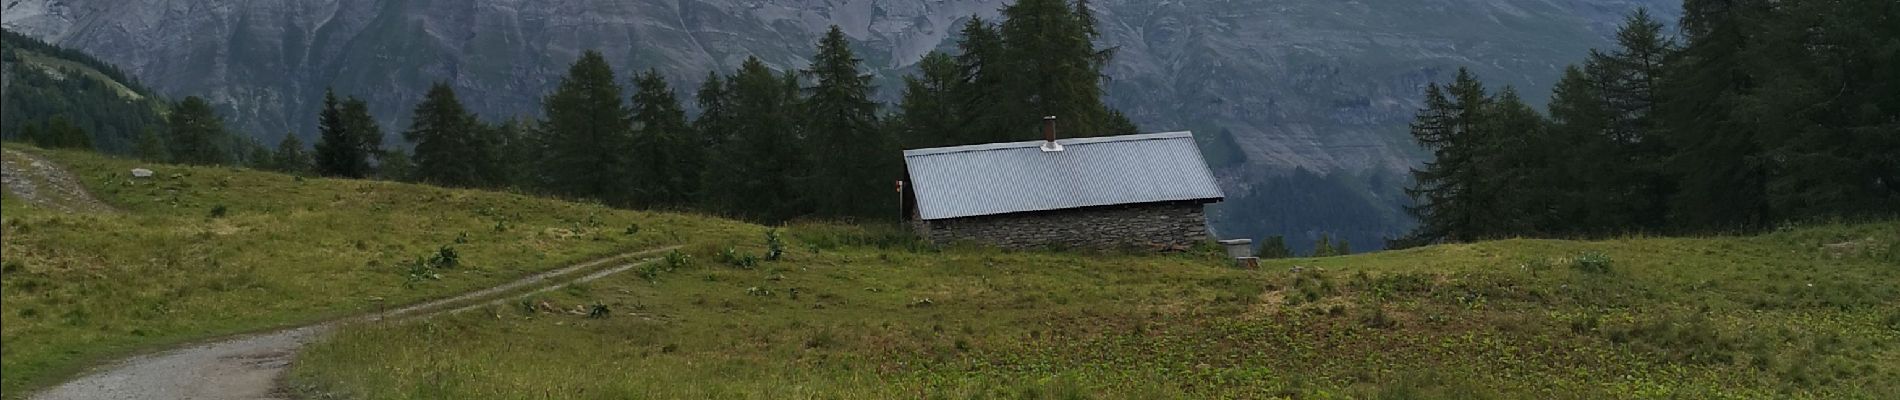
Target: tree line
point(766, 145)
point(1756, 112)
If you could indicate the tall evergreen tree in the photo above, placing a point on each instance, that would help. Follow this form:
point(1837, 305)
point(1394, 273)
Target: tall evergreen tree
point(589, 134)
point(840, 118)
point(1448, 126)
point(928, 112)
point(983, 96)
point(367, 135)
point(339, 152)
point(1719, 165)
point(1578, 145)
point(668, 153)
point(1508, 164)
point(714, 122)
point(1636, 187)
point(752, 172)
point(1054, 69)
point(195, 130)
point(452, 148)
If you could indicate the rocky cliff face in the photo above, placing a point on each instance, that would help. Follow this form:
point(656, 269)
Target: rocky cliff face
point(1326, 85)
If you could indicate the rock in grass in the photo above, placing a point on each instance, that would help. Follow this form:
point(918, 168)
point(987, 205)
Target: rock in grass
point(141, 173)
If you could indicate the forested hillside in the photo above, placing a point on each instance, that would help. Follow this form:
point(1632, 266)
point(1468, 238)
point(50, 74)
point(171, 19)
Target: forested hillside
point(62, 98)
point(1758, 114)
point(58, 97)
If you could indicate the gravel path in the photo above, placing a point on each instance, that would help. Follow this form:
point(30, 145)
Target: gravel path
point(43, 183)
point(251, 367)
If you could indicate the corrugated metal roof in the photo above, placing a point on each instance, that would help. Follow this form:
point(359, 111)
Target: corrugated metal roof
point(999, 178)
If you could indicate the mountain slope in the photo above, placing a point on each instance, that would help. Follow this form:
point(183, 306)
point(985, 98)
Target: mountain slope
point(1317, 84)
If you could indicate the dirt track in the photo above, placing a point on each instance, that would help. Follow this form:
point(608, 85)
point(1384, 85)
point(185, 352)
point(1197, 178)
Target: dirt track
point(251, 367)
point(45, 184)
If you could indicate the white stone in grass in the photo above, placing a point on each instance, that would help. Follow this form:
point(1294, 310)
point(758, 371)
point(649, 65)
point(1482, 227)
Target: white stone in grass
point(141, 173)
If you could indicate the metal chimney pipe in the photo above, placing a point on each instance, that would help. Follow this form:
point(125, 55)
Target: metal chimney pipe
point(1049, 144)
point(1049, 128)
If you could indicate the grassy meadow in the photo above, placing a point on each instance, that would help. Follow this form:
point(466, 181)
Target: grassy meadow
point(199, 252)
point(835, 311)
point(857, 313)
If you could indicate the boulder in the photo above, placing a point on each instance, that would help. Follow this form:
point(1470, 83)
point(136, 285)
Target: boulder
point(141, 173)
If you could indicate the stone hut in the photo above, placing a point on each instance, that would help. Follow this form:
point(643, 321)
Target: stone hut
point(1120, 191)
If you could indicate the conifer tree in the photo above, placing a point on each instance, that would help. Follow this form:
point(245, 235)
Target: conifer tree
point(339, 151)
point(1721, 179)
point(668, 152)
point(365, 132)
point(714, 122)
point(753, 170)
point(195, 130)
point(290, 157)
point(589, 134)
point(1449, 126)
point(840, 119)
point(928, 111)
point(1507, 164)
point(452, 148)
point(1054, 69)
point(983, 96)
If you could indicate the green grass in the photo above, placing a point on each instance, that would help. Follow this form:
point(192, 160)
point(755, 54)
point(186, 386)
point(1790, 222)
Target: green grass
point(855, 312)
point(82, 288)
point(868, 312)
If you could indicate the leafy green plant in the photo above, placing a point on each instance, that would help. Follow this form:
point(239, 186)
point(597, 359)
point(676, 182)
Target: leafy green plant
point(775, 248)
point(733, 257)
point(1594, 262)
point(445, 258)
point(675, 260)
point(418, 271)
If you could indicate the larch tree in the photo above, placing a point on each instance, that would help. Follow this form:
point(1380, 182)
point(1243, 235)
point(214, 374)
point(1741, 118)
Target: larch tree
point(589, 134)
point(839, 119)
point(668, 152)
